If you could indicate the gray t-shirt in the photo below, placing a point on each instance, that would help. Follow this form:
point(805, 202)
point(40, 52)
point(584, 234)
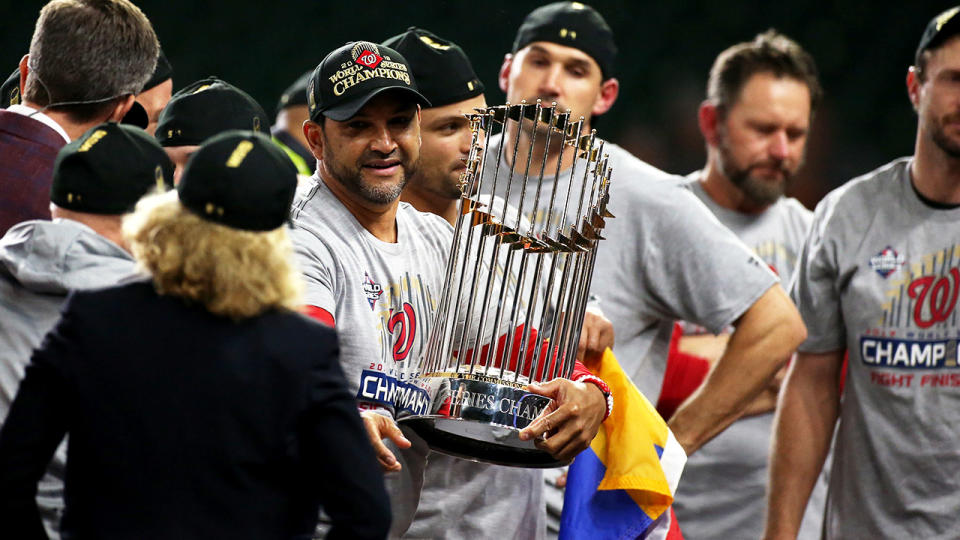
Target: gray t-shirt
point(878, 276)
point(383, 297)
point(666, 257)
point(723, 492)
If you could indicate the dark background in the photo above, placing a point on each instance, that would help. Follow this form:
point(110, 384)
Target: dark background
point(862, 48)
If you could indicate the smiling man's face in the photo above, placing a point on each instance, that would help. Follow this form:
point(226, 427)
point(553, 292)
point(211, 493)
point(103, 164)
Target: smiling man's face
point(374, 153)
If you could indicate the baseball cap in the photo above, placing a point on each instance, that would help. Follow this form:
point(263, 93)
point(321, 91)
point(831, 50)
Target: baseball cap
point(10, 90)
point(444, 73)
point(108, 169)
point(239, 179)
point(206, 108)
point(352, 75)
point(136, 116)
point(941, 27)
point(162, 72)
point(572, 24)
point(296, 93)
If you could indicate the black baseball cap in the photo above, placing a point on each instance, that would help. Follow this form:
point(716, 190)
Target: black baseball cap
point(296, 93)
point(352, 75)
point(206, 108)
point(444, 73)
point(162, 72)
point(240, 179)
point(941, 27)
point(572, 24)
point(136, 116)
point(108, 169)
point(10, 90)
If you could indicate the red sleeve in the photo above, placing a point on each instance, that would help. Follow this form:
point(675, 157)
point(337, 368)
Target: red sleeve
point(579, 371)
point(684, 373)
point(319, 314)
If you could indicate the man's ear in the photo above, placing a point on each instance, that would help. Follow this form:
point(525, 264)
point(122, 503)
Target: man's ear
point(913, 86)
point(504, 77)
point(121, 108)
point(708, 117)
point(609, 90)
point(312, 132)
point(24, 69)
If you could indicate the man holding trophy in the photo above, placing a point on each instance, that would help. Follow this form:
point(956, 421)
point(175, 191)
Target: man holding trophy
point(374, 267)
point(667, 258)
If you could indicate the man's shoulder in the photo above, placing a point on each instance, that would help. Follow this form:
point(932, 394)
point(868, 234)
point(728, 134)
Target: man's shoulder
point(430, 223)
point(318, 212)
point(28, 131)
point(867, 189)
point(625, 163)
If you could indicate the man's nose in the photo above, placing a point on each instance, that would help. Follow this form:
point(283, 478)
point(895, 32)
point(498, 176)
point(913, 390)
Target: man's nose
point(779, 145)
point(550, 83)
point(383, 142)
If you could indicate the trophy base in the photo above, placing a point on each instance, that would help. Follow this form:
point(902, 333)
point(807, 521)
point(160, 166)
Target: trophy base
point(481, 421)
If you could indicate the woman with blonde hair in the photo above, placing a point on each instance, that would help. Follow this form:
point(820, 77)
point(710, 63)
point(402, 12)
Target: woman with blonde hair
point(199, 404)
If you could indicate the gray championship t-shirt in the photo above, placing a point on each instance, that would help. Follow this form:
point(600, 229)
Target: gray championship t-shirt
point(879, 276)
point(665, 257)
point(724, 487)
point(383, 297)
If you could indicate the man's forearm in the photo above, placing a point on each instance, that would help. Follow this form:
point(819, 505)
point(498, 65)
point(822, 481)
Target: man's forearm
point(764, 339)
point(803, 427)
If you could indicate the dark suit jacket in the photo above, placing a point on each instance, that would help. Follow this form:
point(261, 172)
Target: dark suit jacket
point(187, 425)
point(28, 149)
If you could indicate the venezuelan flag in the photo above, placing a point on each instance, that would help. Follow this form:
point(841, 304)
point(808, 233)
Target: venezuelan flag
point(625, 480)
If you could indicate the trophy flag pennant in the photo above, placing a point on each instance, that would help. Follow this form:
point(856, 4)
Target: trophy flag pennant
point(625, 480)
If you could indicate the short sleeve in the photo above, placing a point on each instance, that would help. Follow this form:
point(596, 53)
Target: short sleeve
point(815, 289)
point(692, 267)
point(317, 265)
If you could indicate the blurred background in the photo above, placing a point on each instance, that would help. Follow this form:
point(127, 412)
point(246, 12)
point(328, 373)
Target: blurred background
point(862, 49)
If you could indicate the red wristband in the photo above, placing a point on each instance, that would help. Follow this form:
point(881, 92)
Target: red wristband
point(598, 382)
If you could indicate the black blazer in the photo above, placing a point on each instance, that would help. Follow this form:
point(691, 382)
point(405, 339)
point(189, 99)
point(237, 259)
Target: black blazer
point(187, 425)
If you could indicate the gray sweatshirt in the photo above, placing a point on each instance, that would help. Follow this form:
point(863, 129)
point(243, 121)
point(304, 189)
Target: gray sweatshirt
point(40, 262)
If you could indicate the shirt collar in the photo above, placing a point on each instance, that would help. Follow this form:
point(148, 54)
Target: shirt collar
point(40, 117)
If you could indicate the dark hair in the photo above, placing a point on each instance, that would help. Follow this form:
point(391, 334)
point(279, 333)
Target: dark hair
point(89, 51)
point(769, 52)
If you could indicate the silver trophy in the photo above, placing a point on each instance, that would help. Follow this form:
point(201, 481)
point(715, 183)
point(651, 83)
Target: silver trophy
point(517, 281)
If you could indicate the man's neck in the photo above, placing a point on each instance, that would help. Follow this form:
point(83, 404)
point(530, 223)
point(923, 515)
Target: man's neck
point(535, 158)
point(107, 226)
point(424, 201)
point(725, 193)
point(73, 129)
point(379, 220)
point(936, 175)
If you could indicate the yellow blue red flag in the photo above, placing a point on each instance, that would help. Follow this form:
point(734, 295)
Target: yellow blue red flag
point(626, 479)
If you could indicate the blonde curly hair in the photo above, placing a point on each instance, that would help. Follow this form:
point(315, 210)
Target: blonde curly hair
point(232, 272)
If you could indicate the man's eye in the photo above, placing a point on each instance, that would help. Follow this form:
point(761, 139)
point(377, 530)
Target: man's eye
point(795, 134)
point(357, 125)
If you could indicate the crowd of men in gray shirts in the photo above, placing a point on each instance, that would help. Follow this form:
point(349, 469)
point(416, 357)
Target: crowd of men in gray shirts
point(803, 360)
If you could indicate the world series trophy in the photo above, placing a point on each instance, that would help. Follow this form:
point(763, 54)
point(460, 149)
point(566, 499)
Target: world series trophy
point(517, 282)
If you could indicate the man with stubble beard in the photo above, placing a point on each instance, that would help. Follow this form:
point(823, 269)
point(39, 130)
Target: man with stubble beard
point(878, 277)
point(761, 95)
point(374, 267)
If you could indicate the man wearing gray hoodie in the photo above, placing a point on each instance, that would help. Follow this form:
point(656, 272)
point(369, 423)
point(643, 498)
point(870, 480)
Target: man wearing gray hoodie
point(96, 179)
